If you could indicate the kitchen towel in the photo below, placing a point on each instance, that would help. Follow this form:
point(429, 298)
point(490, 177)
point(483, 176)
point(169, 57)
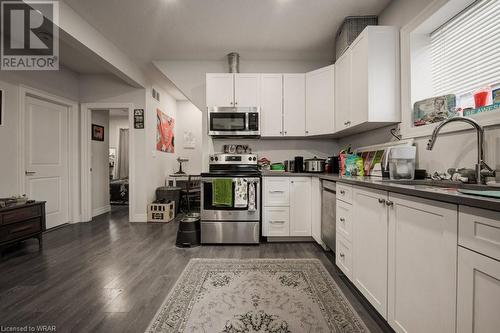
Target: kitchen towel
point(241, 193)
point(251, 198)
point(222, 192)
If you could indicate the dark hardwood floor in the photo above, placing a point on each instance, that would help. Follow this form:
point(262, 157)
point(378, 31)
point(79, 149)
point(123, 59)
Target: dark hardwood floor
point(112, 276)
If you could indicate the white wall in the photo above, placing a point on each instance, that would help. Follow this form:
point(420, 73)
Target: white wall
point(189, 118)
point(100, 165)
point(63, 83)
point(158, 164)
point(189, 77)
point(451, 150)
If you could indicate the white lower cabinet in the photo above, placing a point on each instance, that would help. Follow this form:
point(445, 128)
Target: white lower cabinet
point(287, 207)
point(300, 206)
point(369, 253)
point(343, 256)
point(478, 293)
point(276, 221)
point(422, 265)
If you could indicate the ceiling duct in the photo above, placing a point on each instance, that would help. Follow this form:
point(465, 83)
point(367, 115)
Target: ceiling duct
point(233, 59)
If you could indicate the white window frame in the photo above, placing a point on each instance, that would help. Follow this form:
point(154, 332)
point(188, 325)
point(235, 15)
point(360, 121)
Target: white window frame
point(415, 39)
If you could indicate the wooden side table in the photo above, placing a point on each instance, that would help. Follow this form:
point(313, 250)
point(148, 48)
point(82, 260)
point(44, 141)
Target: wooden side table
point(21, 222)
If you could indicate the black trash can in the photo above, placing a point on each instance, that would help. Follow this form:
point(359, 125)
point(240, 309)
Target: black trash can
point(169, 193)
point(189, 232)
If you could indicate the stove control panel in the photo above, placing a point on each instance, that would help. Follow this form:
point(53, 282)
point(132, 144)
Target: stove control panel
point(233, 159)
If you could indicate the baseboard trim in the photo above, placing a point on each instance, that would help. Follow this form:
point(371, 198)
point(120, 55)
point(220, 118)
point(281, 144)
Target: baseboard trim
point(101, 210)
point(290, 239)
point(139, 218)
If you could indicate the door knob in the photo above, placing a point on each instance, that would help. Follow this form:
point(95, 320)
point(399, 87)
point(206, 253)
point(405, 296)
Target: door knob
point(29, 173)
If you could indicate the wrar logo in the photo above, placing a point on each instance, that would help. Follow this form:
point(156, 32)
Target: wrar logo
point(30, 35)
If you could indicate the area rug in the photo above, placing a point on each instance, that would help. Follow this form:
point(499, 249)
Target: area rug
point(256, 295)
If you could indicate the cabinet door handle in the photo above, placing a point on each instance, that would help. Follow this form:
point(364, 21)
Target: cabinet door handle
point(277, 222)
point(285, 132)
point(29, 173)
point(307, 132)
point(380, 200)
point(342, 192)
point(347, 123)
point(276, 191)
point(235, 103)
point(342, 219)
point(342, 255)
point(389, 203)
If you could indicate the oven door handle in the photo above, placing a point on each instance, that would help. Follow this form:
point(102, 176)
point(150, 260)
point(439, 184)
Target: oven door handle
point(249, 180)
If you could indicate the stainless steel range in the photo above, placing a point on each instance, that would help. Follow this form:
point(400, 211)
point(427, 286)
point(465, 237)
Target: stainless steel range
point(237, 221)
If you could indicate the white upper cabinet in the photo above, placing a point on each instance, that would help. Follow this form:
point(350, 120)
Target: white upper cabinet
point(271, 104)
point(294, 104)
point(343, 91)
point(320, 90)
point(220, 89)
point(372, 81)
point(246, 89)
point(226, 89)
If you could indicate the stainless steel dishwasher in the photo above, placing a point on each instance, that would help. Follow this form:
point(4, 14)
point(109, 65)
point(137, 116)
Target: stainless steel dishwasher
point(328, 220)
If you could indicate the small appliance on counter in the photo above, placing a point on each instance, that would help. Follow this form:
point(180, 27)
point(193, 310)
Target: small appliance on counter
point(289, 165)
point(401, 161)
point(332, 165)
point(298, 164)
point(314, 165)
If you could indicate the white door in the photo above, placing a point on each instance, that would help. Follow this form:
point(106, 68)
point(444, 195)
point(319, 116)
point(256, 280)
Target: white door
point(300, 206)
point(343, 91)
point(294, 104)
point(220, 89)
point(478, 293)
point(370, 246)
point(246, 89)
point(422, 265)
point(46, 159)
point(359, 80)
point(320, 101)
point(271, 104)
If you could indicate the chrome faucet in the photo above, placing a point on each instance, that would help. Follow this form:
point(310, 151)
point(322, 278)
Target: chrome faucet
point(482, 169)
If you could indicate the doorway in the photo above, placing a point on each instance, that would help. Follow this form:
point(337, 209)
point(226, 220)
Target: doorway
point(48, 164)
point(107, 158)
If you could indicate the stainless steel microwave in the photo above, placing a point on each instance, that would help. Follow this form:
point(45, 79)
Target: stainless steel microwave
point(234, 121)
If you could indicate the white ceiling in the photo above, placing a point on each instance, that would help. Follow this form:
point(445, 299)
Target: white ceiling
point(209, 29)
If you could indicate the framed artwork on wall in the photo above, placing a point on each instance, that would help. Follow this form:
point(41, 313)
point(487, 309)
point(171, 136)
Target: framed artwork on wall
point(97, 132)
point(164, 132)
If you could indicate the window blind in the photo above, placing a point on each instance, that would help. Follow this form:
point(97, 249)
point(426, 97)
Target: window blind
point(465, 51)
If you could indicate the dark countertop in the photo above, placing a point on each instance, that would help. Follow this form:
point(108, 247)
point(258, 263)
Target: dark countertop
point(439, 193)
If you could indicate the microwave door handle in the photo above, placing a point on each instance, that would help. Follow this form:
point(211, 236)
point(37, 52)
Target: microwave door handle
point(247, 120)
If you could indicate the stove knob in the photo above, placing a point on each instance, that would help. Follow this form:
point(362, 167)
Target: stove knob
point(216, 158)
point(211, 158)
point(255, 158)
point(249, 158)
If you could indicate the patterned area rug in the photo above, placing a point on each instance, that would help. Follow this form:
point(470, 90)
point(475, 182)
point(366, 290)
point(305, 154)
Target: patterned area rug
point(256, 295)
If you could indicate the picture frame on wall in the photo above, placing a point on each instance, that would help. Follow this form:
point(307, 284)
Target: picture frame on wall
point(97, 132)
point(2, 106)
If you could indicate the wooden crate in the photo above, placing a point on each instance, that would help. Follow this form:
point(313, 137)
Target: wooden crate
point(161, 212)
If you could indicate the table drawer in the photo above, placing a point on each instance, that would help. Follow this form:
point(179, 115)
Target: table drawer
point(277, 221)
point(276, 191)
point(479, 230)
point(343, 219)
point(344, 192)
point(343, 256)
point(20, 230)
point(21, 214)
